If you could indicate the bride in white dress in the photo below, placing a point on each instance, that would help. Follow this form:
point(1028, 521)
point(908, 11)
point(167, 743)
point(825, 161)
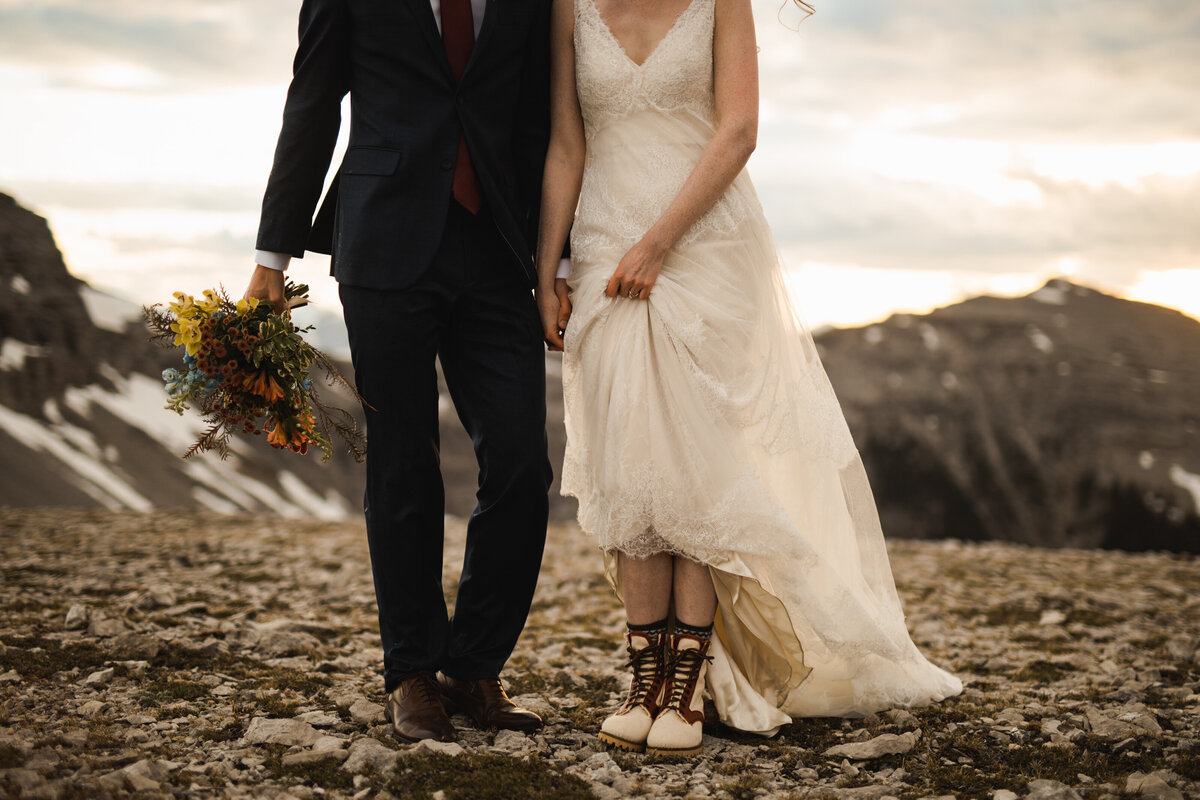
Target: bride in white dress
point(707, 450)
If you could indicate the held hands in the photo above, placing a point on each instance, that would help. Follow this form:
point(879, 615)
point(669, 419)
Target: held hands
point(555, 310)
point(636, 274)
point(267, 284)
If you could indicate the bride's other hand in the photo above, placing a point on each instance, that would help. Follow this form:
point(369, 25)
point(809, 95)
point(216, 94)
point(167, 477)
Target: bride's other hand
point(638, 271)
point(555, 310)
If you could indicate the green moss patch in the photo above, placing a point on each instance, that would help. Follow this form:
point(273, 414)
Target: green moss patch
point(479, 776)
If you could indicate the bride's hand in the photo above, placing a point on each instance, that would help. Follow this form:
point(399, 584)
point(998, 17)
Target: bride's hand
point(555, 310)
point(637, 272)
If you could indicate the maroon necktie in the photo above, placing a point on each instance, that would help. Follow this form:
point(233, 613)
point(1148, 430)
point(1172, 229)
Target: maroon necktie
point(458, 32)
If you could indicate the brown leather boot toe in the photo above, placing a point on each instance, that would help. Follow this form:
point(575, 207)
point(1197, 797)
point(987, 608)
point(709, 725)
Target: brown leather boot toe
point(486, 702)
point(416, 712)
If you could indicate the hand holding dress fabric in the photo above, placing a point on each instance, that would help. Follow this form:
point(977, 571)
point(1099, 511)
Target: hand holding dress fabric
point(637, 272)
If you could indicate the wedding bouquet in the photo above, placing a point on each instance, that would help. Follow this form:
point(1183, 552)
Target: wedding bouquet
point(246, 367)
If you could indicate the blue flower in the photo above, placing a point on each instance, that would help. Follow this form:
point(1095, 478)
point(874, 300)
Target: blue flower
point(170, 375)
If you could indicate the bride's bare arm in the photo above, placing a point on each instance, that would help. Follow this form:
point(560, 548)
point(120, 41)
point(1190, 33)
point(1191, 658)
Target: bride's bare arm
point(563, 175)
point(735, 85)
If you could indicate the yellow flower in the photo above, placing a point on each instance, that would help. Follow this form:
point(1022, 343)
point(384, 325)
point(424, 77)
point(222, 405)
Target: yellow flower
point(245, 306)
point(211, 303)
point(184, 306)
point(187, 333)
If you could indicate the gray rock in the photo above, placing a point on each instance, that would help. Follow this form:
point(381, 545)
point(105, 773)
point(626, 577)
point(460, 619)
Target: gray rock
point(513, 742)
point(1043, 789)
point(136, 669)
point(1151, 786)
point(101, 677)
point(1107, 727)
point(104, 627)
point(364, 712)
point(1004, 794)
point(313, 756)
point(1011, 716)
point(367, 753)
point(327, 743)
point(12, 676)
point(1143, 720)
point(185, 610)
point(882, 745)
point(133, 646)
point(318, 719)
point(318, 629)
point(290, 732)
point(862, 792)
point(599, 768)
point(902, 718)
point(77, 617)
point(93, 708)
point(430, 746)
point(279, 643)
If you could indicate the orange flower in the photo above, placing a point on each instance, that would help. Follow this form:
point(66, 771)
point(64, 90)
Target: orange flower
point(277, 438)
point(263, 385)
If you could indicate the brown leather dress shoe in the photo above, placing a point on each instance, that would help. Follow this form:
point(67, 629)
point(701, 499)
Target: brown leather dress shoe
point(486, 702)
point(416, 711)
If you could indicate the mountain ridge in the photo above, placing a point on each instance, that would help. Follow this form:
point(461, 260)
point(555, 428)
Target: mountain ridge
point(1065, 417)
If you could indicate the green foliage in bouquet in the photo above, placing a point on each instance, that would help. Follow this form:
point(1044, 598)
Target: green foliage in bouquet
point(246, 367)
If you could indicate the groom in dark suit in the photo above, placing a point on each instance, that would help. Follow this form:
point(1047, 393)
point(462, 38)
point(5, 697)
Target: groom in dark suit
point(431, 222)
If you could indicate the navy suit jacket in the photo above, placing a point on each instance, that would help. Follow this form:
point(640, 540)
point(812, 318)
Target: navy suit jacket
point(385, 212)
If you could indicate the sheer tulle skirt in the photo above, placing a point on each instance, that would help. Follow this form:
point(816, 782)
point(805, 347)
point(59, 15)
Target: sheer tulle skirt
point(700, 422)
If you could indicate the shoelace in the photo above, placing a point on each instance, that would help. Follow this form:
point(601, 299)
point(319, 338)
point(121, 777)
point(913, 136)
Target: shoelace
point(426, 689)
point(647, 678)
point(685, 673)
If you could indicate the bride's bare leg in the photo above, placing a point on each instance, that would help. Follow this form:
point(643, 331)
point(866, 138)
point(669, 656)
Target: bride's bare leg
point(695, 597)
point(646, 587)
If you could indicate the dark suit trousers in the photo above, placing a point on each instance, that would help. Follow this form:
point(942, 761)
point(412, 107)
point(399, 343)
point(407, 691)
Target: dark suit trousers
point(471, 311)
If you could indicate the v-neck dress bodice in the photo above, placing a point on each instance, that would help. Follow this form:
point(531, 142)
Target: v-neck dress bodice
point(700, 421)
point(675, 78)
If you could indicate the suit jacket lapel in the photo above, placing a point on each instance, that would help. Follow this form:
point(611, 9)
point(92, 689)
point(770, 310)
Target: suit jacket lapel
point(423, 14)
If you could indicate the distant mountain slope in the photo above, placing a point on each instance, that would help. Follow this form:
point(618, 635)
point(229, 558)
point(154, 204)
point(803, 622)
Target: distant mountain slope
point(82, 421)
point(1067, 417)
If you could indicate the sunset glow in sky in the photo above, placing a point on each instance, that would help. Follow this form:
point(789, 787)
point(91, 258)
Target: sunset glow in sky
point(910, 153)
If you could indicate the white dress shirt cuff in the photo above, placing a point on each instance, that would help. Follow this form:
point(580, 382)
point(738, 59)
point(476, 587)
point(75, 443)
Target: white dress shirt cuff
point(564, 268)
point(272, 260)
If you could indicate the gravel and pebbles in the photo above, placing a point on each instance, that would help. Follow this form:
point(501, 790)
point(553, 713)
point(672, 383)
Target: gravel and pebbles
point(169, 655)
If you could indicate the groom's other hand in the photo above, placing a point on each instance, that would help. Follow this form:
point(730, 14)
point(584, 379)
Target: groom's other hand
point(267, 284)
point(555, 310)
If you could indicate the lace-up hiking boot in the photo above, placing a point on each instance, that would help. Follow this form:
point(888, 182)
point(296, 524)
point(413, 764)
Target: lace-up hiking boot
point(679, 726)
point(627, 728)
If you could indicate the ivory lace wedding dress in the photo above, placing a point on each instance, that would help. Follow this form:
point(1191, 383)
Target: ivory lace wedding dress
point(700, 421)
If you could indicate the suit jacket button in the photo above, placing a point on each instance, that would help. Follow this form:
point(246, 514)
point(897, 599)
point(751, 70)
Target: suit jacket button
point(447, 163)
point(459, 99)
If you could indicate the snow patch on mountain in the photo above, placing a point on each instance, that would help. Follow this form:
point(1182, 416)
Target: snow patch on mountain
point(1188, 482)
point(108, 312)
point(13, 354)
point(76, 450)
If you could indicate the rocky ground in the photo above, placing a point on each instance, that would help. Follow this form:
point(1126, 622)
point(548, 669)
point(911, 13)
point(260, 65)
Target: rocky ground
point(163, 655)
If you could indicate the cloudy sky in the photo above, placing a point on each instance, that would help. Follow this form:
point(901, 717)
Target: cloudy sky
point(912, 152)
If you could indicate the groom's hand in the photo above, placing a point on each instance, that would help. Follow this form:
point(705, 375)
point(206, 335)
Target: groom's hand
point(554, 307)
point(267, 284)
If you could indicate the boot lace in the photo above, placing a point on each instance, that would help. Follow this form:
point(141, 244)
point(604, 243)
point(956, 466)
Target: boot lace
point(648, 677)
point(684, 669)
